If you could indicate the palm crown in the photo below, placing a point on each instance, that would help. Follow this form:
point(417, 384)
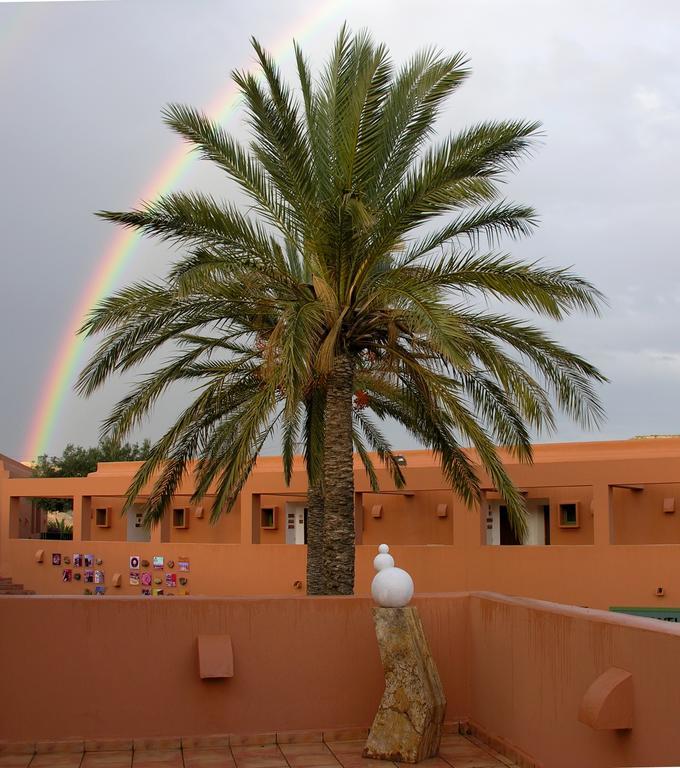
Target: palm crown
point(357, 269)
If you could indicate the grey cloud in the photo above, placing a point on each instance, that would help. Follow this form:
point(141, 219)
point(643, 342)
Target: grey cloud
point(80, 126)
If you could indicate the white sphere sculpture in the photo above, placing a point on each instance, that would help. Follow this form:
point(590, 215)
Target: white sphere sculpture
point(383, 559)
point(392, 587)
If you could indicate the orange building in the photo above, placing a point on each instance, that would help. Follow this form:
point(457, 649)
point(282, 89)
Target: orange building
point(542, 684)
point(602, 530)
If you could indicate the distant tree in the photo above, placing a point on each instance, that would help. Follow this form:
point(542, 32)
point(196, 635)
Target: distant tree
point(77, 461)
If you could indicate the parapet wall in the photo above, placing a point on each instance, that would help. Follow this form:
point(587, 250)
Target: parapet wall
point(530, 663)
point(128, 667)
point(78, 667)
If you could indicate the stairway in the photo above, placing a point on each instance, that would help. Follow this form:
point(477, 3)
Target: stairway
point(8, 588)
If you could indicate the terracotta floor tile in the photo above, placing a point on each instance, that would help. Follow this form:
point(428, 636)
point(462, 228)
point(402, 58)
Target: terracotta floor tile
point(157, 758)
point(345, 734)
point(252, 739)
point(451, 727)
point(142, 763)
point(266, 756)
point(485, 760)
point(309, 756)
point(299, 737)
point(113, 759)
point(265, 750)
point(466, 749)
point(17, 747)
point(15, 761)
point(256, 761)
point(348, 754)
point(347, 747)
point(108, 745)
point(157, 743)
point(501, 758)
point(57, 760)
point(216, 741)
point(216, 757)
point(318, 760)
point(316, 748)
point(454, 739)
point(348, 761)
point(259, 761)
point(76, 746)
point(302, 749)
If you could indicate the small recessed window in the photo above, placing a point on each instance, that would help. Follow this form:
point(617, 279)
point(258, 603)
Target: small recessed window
point(268, 518)
point(102, 517)
point(569, 514)
point(180, 517)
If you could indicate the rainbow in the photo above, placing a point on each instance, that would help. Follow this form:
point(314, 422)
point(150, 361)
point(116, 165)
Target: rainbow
point(66, 362)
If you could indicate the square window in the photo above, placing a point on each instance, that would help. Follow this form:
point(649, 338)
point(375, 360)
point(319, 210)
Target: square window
point(569, 517)
point(268, 518)
point(180, 517)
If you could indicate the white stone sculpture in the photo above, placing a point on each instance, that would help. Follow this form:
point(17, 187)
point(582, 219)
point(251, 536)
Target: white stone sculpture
point(392, 587)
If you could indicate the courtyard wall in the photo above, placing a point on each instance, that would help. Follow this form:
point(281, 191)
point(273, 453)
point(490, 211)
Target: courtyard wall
point(517, 669)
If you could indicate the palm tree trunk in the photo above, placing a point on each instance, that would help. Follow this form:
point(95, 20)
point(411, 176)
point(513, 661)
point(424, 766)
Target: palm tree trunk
point(338, 480)
point(315, 508)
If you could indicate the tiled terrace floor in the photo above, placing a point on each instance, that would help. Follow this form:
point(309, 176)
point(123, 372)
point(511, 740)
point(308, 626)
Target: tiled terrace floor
point(456, 751)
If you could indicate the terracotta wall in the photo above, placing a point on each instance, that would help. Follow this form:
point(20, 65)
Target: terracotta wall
point(126, 667)
point(603, 562)
point(639, 517)
point(593, 576)
point(409, 519)
point(199, 528)
point(278, 535)
point(583, 496)
point(215, 569)
point(530, 664)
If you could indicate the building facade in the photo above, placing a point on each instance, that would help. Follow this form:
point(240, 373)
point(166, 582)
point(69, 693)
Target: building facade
point(603, 530)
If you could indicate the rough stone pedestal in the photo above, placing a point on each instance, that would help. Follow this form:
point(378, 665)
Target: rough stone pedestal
point(409, 721)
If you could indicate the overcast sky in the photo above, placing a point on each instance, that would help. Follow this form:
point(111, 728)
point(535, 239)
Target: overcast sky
point(82, 85)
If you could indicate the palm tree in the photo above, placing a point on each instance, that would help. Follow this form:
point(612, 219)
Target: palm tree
point(362, 270)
